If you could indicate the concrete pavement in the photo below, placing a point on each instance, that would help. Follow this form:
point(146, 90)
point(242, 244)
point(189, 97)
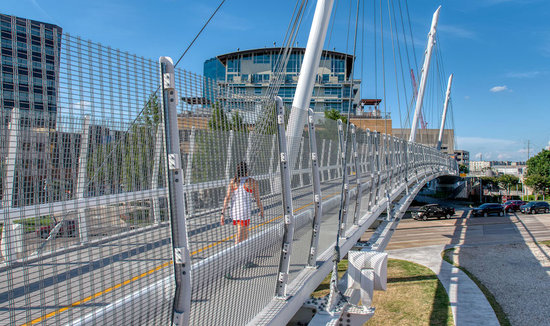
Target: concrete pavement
point(468, 303)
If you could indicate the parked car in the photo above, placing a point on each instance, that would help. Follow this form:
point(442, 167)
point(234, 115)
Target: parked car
point(433, 210)
point(487, 209)
point(513, 205)
point(67, 228)
point(535, 207)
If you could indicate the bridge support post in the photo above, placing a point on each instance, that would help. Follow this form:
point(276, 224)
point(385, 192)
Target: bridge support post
point(288, 212)
point(8, 247)
point(344, 175)
point(182, 259)
point(329, 174)
point(271, 159)
point(359, 192)
point(229, 154)
point(156, 169)
point(300, 162)
point(317, 196)
point(81, 184)
point(324, 162)
point(189, 195)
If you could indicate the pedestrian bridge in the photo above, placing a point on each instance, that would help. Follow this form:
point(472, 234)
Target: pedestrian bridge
point(111, 204)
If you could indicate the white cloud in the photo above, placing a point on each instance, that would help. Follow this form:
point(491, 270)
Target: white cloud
point(467, 97)
point(457, 31)
point(493, 148)
point(548, 147)
point(527, 74)
point(497, 89)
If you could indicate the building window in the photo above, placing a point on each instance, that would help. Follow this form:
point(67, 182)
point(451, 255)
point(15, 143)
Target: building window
point(333, 91)
point(337, 66)
point(260, 78)
point(257, 91)
point(233, 65)
point(294, 63)
point(261, 58)
point(287, 92)
point(247, 57)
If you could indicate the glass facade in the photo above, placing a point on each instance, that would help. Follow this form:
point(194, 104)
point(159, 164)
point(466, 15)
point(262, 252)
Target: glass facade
point(250, 72)
point(29, 69)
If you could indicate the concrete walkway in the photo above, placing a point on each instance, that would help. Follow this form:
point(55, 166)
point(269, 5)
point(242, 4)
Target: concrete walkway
point(468, 303)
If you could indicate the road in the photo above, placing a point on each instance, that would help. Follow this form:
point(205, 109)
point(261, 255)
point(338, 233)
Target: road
point(466, 230)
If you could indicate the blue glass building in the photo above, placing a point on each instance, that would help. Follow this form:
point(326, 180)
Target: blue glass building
point(29, 69)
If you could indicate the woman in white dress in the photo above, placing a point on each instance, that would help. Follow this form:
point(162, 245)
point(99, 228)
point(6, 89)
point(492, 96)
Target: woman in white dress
point(241, 191)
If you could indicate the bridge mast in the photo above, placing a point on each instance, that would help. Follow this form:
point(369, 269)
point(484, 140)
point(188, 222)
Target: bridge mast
point(425, 69)
point(444, 116)
point(308, 72)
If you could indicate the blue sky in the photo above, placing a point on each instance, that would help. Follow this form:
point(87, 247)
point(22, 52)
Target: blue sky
point(498, 50)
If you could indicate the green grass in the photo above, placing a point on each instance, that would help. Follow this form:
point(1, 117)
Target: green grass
point(546, 242)
point(414, 296)
point(499, 312)
point(31, 224)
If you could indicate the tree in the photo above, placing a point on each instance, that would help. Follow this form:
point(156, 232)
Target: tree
point(490, 182)
point(538, 172)
point(219, 120)
point(151, 114)
point(237, 122)
point(506, 181)
point(334, 114)
point(463, 168)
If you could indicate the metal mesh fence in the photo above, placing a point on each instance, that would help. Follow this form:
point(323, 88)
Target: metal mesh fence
point(230, 159)
point(84, 212)
point(86, 237)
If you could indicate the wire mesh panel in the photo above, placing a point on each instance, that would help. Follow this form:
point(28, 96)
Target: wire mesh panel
point(233, 199)
point(84, 214)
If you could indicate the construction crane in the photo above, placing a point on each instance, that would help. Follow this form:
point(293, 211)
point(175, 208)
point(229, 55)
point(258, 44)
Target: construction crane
point(423, 123)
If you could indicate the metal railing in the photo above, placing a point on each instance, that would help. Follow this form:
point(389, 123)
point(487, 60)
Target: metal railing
point(92, 224)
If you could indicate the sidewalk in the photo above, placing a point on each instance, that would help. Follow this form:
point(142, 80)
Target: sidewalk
point(468, 303)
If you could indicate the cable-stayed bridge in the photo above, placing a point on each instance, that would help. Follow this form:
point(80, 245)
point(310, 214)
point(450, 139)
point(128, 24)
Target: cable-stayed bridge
point(111, 204)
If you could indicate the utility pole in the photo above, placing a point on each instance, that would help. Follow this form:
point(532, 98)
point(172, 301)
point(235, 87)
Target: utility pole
point(425, 69)
point(447, 97)
point(528, 149)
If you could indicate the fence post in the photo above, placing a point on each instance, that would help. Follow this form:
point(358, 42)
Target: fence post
point(81, 184)
point(329, 175)
point(370, 167)
point(156, 169)
point(359, 192)
point(272, 157)
point(323, 165)
point(229, 154)
point(317, 197)
point(344, 170)
point(189, 195)
point(182, 259)
point(8, 250)
point(286, 251)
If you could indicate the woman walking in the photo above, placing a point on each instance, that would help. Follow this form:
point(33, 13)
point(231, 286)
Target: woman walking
point(241, 190)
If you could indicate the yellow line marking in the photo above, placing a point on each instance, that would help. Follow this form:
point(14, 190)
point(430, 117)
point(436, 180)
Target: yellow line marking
point(135, 278)
point(77, 303)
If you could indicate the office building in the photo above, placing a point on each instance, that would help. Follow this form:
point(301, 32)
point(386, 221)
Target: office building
point(462, 157)
point(29, 75)
point(30, 64)
point(250, 73)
